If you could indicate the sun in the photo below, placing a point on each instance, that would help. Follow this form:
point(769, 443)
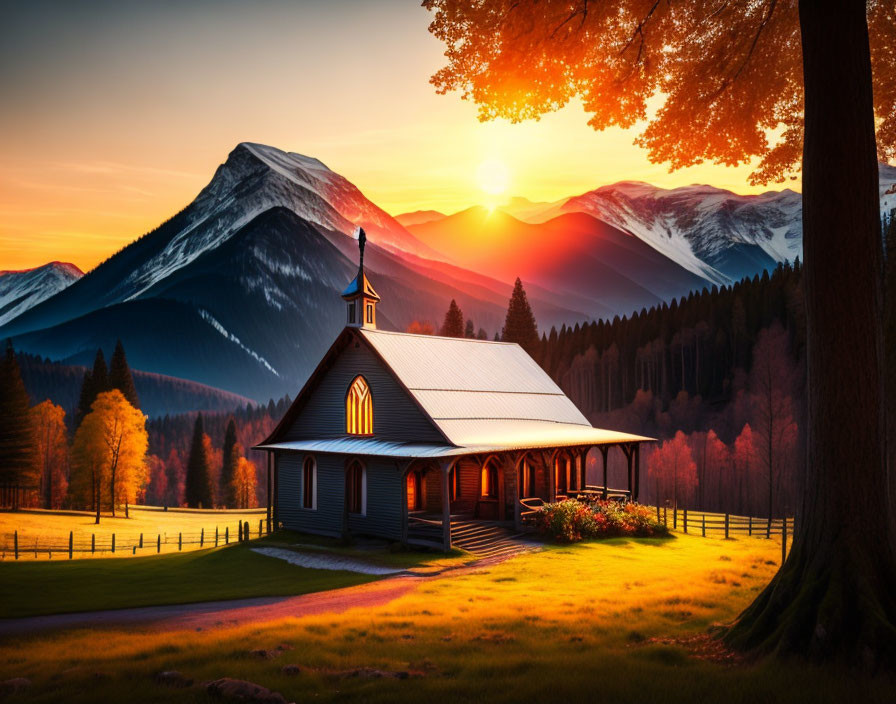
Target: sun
point(493, 176)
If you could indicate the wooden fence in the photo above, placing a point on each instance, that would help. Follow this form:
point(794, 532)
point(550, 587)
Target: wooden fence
point(15, 546)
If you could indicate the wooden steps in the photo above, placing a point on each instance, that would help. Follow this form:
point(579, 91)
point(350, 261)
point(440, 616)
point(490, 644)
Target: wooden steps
point(487, 539)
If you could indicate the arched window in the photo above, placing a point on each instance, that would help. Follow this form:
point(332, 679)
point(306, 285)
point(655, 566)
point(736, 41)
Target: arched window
point(455, 483)
point(356, 488)
point(561, 473)
point(309, 483)
point(489, 481)
point(527, 478)
point(359, 408)
point(415, 491)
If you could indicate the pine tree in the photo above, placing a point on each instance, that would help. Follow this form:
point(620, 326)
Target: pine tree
point(120, 375)
point(230, 459)
point(454, 321)
point(198, 488)
point(95, 382)
point(17, 446)
point(470, 329)
point(519, 325)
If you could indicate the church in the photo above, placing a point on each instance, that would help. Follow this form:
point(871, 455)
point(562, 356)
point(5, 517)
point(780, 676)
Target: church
point(402, 436)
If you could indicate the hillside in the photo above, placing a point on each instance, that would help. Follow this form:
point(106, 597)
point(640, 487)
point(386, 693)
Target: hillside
point(21, 290)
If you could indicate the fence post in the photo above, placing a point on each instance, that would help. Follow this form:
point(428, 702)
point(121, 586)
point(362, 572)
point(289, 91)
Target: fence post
point(665, 517)
point(751, 526)
point(227, 535)
point(768, 530)
point(675, 517)
point(260, 524)
point(180, 541)
point(71, 543)
point(216, 536)
point(657, 510)
point(727, 516)
point(704, 525)
point(93, 543)
point(113, 542)
point(141, 541)
point(685, 520)
point(16, 544)
point(158, 542)
point(133, 550)
point(202, 537)
point(784, 540)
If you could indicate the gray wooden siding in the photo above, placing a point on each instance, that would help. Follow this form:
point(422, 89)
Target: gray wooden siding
point(384, 496)
point(385, 492)
point(395, 414)
point(327, 518)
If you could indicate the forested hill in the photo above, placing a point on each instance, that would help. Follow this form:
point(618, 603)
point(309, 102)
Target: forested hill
point(701, 345)
point(159, 394)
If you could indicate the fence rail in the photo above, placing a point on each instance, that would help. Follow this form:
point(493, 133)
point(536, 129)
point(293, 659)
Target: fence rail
point(17, 545)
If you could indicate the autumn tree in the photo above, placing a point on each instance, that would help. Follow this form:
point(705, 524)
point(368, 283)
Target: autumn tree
point(198, 486)
point(120, 375)
point(51, 452)
point(711, 456)
point(174, 468)
point(16, 430)
point(672, 468)
point(157, 487)
point(109, 453)
point(744, 459)
point(519, 323)
point(453, 326)
point(821, 78)
point(243, 484)
point(421, 327)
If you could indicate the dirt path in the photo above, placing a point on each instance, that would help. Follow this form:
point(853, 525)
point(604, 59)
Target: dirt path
point(218, 614)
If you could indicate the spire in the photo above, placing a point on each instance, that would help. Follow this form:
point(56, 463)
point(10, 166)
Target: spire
point(359, 295)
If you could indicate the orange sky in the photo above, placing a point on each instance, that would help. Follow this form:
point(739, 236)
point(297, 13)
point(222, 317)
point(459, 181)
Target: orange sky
point(115, 116)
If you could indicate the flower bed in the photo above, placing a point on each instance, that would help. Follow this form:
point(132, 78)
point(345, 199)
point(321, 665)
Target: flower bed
point(570, 520)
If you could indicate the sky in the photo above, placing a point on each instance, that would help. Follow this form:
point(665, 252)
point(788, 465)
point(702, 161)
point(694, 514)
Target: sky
point(116, 114)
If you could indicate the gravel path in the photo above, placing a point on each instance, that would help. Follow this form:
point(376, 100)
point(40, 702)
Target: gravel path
point(326, 562)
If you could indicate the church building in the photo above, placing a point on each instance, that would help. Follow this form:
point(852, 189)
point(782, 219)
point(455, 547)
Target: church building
point(400, 436)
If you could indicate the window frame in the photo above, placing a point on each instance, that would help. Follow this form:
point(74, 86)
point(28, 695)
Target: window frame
point(355, 463)
point(313, 467)
point(491, 471)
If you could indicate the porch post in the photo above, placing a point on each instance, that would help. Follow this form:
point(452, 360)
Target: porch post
point(268, 455)
point(403, 488)
point(517, 469)
point(628, 456)
point(552, 476)
point(446, 505)
point(637, 452)
point(276, 511)
point(604, 449)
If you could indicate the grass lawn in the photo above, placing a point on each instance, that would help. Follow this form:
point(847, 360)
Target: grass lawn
point(606, 621)
point(49, 530)
point(36, 588)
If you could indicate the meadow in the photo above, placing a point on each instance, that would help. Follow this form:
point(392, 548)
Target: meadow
point(44, 535)
point(621, 620)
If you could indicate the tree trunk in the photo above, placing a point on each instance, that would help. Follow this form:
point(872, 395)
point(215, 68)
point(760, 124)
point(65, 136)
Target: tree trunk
point(96, 499)
point(835, 597)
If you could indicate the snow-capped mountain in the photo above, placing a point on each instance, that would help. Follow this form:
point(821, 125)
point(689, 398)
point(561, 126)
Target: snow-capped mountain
point(240, 290)
point(21, 290)
point(716, 234)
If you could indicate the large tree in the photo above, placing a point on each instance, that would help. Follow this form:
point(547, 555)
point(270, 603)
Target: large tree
point(453, 325)
point(96, 381)
point(230, 458)
point(519, 323)
point(51, 452)
point(109, 450)
point(16, 429)
point(120, 375)
point(198, 485)
point(798, 84)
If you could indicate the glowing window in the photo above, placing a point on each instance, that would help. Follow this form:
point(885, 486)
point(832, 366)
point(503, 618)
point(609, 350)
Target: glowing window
point(359, 408)
point(489, 481)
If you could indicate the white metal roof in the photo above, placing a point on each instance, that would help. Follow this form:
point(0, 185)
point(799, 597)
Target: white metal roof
point(516, 436)
point(467, 386)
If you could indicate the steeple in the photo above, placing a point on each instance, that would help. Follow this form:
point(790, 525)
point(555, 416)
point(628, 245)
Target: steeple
point(359, 296)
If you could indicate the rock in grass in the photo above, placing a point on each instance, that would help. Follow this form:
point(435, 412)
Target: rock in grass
point(172, 678)
point(14, 686)
point(291, 670)
point(232, 690)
